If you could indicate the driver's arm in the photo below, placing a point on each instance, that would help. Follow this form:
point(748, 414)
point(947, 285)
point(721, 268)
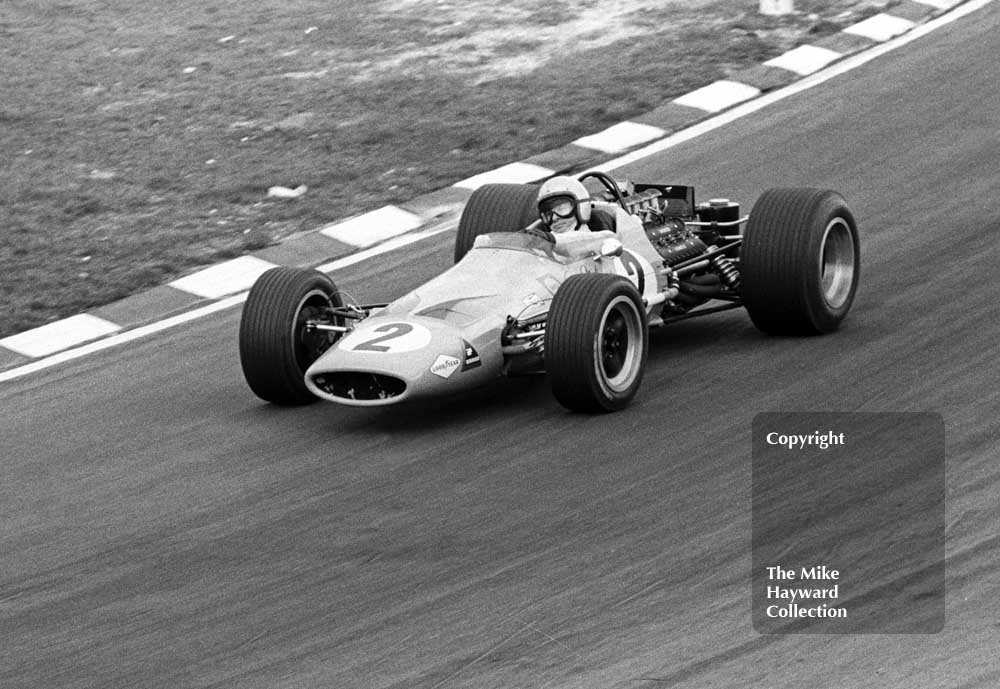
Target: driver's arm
point(580, 243)
point(536, 229)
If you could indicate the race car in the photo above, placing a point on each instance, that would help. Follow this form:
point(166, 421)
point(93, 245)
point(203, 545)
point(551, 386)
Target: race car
point(514, 303)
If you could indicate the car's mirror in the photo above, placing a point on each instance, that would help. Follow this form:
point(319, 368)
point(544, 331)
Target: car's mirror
point(611, 247)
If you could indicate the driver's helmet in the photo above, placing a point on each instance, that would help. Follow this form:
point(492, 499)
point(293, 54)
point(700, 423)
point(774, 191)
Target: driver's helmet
point(563, 204)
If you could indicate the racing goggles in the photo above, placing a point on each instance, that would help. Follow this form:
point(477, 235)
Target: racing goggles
point(557, 206)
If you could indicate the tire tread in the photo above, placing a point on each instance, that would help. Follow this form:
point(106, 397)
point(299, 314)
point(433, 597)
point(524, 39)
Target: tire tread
point(570, 330)
point(495, 208)
point(776, 251)
point(266, 352)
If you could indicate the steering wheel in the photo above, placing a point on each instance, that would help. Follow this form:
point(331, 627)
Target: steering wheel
point(609, 183)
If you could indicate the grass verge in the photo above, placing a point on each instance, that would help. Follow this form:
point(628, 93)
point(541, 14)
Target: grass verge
point(139, 143)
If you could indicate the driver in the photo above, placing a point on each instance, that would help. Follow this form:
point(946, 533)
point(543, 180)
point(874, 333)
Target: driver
point(564, 211)
point(564, 205)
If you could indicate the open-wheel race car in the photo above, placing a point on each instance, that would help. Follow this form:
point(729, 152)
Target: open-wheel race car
point(516, 303)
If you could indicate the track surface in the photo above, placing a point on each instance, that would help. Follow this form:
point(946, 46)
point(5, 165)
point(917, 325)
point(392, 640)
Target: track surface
point(161, 528)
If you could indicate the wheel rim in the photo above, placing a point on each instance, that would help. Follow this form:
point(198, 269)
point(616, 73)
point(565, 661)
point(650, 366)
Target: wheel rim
point(619, 345)
point(837, 263)
point(308, 346)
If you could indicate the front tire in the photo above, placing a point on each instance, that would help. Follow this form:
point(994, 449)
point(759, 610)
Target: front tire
point(596, 343)
point(495, 208)
point(799, 262)
point(275, 347)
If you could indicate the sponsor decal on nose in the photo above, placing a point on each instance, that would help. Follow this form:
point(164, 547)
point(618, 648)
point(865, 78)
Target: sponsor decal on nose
point(445, 365)
point(471, 357)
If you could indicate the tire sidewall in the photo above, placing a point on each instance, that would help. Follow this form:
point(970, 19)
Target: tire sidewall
point(624, 389)
point(495, 208)
point(580, 311)
point(271, 347)
point(782, 261)
point(825, 316)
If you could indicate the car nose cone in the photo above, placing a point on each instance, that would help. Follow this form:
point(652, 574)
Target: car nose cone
point(388, 359)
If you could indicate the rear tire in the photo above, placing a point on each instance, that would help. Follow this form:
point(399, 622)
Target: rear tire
point(799, 262)
point(596, 342)
point(495, 208)
point(275, 349)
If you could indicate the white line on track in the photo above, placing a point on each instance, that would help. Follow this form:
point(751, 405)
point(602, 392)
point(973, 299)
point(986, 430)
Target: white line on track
point(806, 59)
point(620, 137)
point(881, 27)
point(373, 227)
point(52, 337)
point(697, 130)
point(200, 312)
point(718, 96)
point(940, 4)
point(511, 173)
point(224, 278)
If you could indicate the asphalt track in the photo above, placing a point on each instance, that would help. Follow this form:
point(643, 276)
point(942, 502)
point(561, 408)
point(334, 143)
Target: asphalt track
point(161, 528)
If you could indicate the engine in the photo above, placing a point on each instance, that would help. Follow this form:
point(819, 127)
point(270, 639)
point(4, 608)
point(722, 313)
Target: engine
point(674, 241)
point(683, 234)
point(677, 241)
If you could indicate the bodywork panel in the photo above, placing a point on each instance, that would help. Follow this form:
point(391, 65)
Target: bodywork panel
point(446, 334)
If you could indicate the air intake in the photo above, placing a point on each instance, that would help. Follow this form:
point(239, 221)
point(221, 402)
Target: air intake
point(355, 385)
